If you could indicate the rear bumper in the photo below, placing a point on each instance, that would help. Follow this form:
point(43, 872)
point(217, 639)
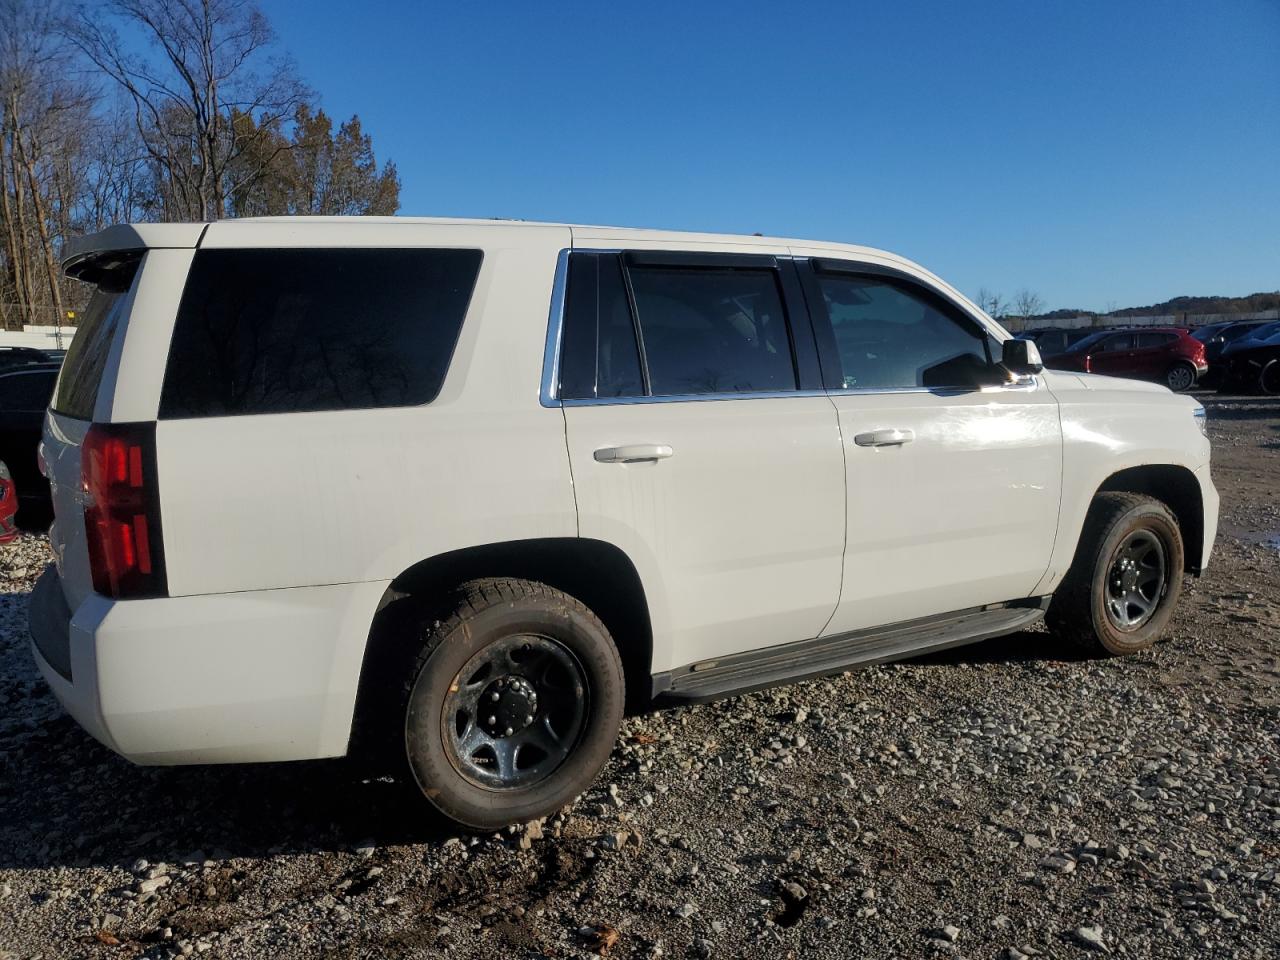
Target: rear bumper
point(227, 678)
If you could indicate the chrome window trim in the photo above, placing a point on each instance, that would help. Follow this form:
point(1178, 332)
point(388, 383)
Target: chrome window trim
point(555, 323)
point(551, 361)
point(694, 397)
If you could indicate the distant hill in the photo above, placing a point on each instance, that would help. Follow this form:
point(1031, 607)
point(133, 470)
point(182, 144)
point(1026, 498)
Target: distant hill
point(1254, 303)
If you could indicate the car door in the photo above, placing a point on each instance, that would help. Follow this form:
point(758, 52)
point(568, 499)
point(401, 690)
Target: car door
point(1113, 356)
point(702, 445)
point(953, 488)
point(1151, 359)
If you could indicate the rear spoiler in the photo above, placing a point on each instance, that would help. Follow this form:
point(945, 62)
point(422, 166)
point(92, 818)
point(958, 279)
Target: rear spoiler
point(79, 253)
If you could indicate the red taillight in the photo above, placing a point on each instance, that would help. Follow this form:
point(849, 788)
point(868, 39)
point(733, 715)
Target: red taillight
point(1087, 364)
point(122, 510)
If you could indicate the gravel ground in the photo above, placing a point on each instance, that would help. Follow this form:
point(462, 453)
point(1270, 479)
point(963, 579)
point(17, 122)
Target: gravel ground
point(1008, 799)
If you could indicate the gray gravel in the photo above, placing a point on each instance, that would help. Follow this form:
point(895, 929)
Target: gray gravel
point(1010, 799)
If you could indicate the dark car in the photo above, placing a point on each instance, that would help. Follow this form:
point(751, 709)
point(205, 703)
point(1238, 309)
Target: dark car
point(12, 357)
point(1216, 336)
point(1252, 363)
point(1168, 355)
point(1053, 340)
point(25, 392)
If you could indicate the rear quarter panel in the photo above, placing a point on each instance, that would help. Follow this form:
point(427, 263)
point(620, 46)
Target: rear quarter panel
point(303, 499)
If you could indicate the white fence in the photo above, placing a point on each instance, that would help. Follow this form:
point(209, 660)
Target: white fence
point(1083, 321)
point(37, 335)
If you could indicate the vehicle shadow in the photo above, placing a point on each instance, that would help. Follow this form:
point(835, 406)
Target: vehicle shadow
point(66, 800)
point(1025, 646)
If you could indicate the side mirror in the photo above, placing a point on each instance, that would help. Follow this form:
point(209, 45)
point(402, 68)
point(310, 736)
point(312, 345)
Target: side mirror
point(1021, 357)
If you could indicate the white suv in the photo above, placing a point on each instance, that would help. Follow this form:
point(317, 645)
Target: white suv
point(453, 492)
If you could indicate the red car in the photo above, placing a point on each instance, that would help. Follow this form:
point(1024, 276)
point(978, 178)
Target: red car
point(1168, 355)
point(8, 506)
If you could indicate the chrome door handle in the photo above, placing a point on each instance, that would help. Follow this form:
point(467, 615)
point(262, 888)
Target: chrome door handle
point(884, 438)
point(633, 453)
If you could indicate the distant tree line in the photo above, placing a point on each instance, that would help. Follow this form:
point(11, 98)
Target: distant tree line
point(1253, 303)
point(160, 110)
point(1026, 305)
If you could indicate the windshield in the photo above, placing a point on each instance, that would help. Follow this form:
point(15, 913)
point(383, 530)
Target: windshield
point(1264, 332)
point(1204, 334)
point(86, 361)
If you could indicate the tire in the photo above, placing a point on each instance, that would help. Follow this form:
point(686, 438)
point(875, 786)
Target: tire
point(550, 673)
point(1090, 605)
point(1181, 376)
point(1269, 379)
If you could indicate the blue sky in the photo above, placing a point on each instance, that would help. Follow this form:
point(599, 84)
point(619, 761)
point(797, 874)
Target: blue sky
point(1099, 153)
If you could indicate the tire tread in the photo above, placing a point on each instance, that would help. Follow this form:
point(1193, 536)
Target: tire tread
point(1070, 614)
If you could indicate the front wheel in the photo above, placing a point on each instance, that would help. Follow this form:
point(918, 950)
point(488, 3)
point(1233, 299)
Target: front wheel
point(1122, 586)
point(1181, 376)
point(513, 705)
point(1269, 379)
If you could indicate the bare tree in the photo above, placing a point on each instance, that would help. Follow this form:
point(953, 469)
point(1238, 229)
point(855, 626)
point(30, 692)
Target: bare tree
point(992, 303)
point(42, 114)
point(1027, 304)
point(212, 60)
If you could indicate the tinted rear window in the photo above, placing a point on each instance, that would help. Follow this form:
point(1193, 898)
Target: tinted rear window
point(599, 356)
point(286, 331)
point(26, 390)
point(707, 330)
point(77, 389)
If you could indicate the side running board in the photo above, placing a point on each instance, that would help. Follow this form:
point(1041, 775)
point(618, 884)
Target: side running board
point(821, 656)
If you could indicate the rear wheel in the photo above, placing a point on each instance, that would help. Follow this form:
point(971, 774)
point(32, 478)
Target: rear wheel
point(1122, 586)
point(512, 706)
point(1269, 379)
point(1181, 376)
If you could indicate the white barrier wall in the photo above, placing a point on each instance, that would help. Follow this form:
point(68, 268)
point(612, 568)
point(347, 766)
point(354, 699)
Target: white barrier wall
point(37, 335)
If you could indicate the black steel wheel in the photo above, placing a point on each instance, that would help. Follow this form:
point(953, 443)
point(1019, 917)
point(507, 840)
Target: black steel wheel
point(1121, 589)
point(1136, 580)
point(512, 704)
point(515, 711)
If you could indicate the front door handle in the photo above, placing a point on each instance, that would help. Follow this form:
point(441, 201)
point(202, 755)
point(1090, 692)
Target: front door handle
point(633, 453)
point(884, 438)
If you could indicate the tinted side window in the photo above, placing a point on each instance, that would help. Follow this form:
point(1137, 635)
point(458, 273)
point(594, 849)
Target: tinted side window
point(27, 391)
point(1148, 340)
point(86, 360)
point(891, 335)
point(1235, 333)
point(1120, 341)
point(283, 331)
point(1051, 343)
point(709, 330)
point(598, 354)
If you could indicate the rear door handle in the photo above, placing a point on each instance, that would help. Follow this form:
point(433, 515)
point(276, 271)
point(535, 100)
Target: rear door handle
point(884, 438)
point(633, 453)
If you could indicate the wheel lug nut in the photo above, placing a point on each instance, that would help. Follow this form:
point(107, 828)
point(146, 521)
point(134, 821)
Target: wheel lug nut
point(509, 732)
point(493, 721)
point(493, 696)
point(529, 718)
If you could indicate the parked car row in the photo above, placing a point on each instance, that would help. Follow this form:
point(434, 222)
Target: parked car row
point(27, 379)
point(1236, 356)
